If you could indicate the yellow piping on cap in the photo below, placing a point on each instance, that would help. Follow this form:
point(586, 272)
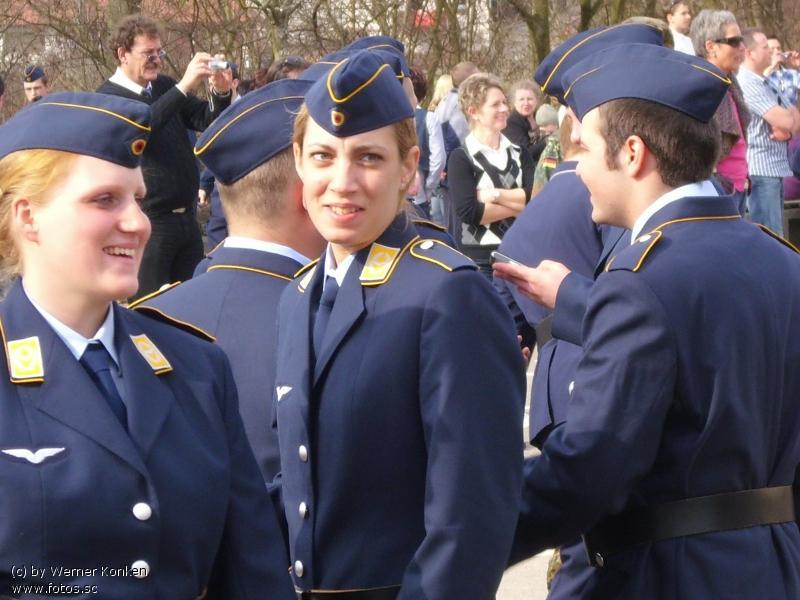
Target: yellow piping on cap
point(198, 152)
point(101, 110)
point(360, 88)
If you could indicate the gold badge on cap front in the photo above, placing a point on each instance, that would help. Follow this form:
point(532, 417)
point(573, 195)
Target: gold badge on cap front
point(379, 262)
point(25, 359)
point(157, 361)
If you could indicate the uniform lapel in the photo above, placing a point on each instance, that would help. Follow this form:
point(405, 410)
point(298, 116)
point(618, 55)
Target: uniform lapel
point(148, 398)
point(67, 394)
point(350, 306)
point(347, 311)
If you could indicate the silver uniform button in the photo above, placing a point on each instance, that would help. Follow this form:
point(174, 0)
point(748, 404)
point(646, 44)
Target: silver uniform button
point(426, 245)
point(298, 568)
point(598, 558)
point(303, 510)
point(140, 569)
point(571, 386)
point(142, 511)
point(303, 452)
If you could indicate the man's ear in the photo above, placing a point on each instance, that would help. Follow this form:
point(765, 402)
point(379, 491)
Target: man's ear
point(634, 155)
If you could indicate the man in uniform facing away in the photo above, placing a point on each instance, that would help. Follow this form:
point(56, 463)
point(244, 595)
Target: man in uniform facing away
point(682, 438)
point(248, 149)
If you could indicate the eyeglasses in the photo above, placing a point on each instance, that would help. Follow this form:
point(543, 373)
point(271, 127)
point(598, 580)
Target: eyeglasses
point(735, 41)
point(153, 56)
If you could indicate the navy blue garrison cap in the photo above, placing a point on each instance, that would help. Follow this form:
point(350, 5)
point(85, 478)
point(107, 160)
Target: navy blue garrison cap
point(252, 130)
point(32, 73)
point(109, 127)
point(586, 43)
point(377, 42)
point(322, 67)
point(359, 94)
point(679, 81)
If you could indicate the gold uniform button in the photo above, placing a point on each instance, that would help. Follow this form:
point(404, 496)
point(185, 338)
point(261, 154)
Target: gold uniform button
point(140, 569)
point(298, 568)
point(303, 510)
point(142, 511)
point(302, 451)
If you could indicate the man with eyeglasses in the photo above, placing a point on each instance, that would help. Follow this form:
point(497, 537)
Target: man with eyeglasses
point(773, 121)
point(170, 168)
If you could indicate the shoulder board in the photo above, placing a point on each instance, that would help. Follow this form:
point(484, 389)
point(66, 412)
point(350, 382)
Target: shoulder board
point(426, 223)
point(308, 272)
point(783, 241)
point(164, 288)
point(633, 257)
point(160, 315)
point(439, 253)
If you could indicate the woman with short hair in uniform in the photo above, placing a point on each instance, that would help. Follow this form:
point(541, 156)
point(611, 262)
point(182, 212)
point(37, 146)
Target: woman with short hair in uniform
point(124, 469)
point(399, 387)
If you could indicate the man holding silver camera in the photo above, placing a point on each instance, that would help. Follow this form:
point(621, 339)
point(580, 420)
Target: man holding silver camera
point(169, 165)
point(783, 70)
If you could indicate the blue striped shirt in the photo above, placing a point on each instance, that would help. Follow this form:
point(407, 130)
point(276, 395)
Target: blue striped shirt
point(765, 157)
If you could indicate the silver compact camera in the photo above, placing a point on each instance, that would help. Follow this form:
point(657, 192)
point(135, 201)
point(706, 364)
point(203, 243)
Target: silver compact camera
point(217, 64)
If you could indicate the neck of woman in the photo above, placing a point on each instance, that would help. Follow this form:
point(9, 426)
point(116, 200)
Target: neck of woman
point(487, 137)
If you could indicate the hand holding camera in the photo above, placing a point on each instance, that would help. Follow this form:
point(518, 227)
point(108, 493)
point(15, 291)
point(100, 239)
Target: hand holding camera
point(204, 66)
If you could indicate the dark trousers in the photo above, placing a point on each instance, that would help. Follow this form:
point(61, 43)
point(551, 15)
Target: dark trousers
point(174, 249)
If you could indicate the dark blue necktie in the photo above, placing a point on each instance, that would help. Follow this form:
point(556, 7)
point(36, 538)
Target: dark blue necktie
point(147, 94)
point(97, 362)
point(324, 312)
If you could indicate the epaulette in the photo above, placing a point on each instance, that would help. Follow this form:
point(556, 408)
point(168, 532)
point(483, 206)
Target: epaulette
point(782, 240)
point(632, 258)
point(308, 271)
point(159, 315)
point(164, 288)
point(442, 255)
point(427, 223)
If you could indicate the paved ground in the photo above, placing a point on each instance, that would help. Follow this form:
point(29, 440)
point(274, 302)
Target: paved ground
point(526, 580)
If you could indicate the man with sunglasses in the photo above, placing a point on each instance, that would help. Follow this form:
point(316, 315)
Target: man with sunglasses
point(169, 165)
point(773, 121)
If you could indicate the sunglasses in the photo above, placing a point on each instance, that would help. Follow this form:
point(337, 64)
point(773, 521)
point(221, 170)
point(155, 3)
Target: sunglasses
point(735, 41)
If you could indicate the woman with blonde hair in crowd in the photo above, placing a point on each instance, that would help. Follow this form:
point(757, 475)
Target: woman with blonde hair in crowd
point(490, 178)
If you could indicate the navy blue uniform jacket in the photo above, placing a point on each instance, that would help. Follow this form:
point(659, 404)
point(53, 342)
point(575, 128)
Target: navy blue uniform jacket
point(186, 457)
point(688, 386)
point(236, 303)
point(401, 447)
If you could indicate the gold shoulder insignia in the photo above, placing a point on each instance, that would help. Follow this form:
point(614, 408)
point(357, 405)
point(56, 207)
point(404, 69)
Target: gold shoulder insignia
point(308, 270)
point(158, 292)
point(442, 255)
point(632, 258)
point(156, 313)
point(25, 363)
point(427, 223)
point(150, 352)
point(782, 240)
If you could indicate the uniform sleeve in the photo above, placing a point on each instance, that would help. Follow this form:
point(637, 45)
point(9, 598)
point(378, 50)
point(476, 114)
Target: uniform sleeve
point(471, 396)
point(463, 188)
point(251, 563)
point(624, 387)
point(571, 300)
